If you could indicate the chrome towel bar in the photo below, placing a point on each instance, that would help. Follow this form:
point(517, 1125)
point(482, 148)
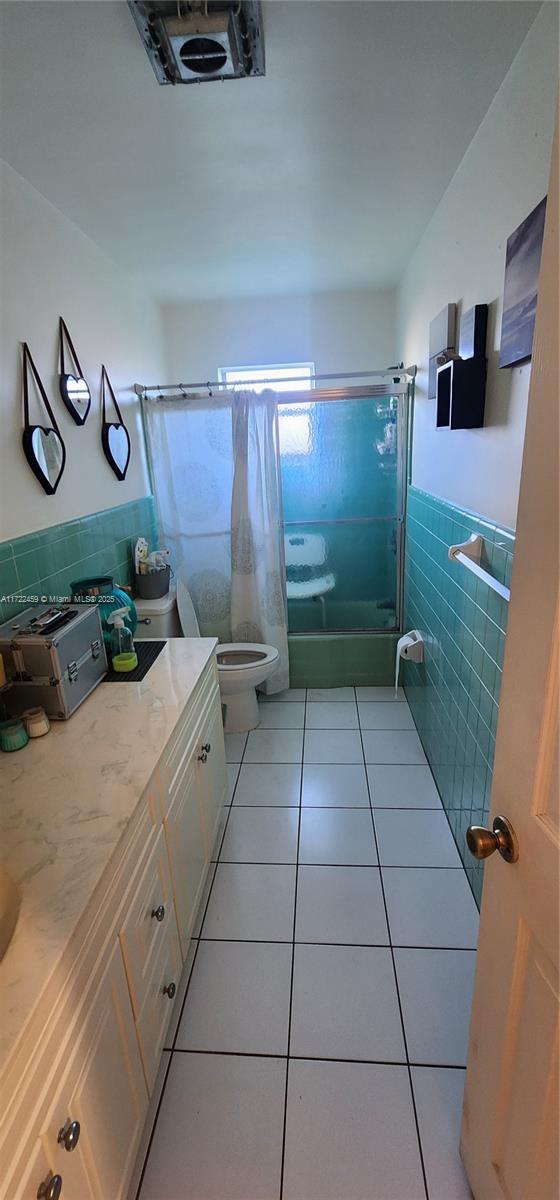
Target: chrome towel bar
point(469, 554)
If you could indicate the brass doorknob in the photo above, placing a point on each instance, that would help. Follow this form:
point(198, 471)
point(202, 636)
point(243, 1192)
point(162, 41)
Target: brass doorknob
point(501, 837)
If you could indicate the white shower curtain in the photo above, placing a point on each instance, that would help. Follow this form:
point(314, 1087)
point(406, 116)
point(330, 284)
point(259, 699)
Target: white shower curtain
point(258, 575)
point(210, 511)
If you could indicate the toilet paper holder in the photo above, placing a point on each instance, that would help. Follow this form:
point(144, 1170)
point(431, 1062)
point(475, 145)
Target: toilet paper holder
point(410, 647)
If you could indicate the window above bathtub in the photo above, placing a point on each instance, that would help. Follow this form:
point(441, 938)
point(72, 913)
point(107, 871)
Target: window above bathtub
point(279, 377)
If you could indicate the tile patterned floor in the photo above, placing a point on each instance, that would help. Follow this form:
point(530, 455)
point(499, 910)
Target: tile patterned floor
point(321, 1048)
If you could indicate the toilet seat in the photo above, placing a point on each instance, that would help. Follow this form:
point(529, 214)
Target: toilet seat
point(241, 656)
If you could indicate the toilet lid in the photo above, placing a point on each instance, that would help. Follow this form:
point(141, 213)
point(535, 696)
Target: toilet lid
point(185, 608)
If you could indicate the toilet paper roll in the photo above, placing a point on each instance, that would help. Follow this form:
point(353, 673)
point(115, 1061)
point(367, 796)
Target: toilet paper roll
point(411, 646)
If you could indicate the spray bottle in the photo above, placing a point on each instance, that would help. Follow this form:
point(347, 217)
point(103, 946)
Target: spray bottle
point(121, 645)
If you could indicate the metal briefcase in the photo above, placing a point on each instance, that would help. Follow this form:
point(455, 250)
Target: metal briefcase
point(54, 655)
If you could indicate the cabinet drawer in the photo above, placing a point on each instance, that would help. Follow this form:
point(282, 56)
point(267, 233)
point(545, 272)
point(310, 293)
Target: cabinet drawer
point(148, 918)
point(186, 742)
point(157, 1010)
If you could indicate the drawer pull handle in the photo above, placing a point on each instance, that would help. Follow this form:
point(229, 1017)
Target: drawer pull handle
point(169, 990)
point(69, 1135)
point(51, 1188)
point(203, 757)
point(158, 913)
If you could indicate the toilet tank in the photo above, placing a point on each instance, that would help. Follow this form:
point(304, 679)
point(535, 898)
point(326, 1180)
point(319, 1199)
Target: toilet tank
point(163, 617)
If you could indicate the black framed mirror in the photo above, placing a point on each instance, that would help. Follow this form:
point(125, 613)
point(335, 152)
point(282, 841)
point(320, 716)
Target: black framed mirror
point(43, 446)
point(73, 387)
point(114, 434)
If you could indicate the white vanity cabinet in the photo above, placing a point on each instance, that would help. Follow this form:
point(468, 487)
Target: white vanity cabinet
point(148, 920)
point(193, 792)
point(211, 775)
point(80, 1086)
point(103, 1091)
point(184, 834)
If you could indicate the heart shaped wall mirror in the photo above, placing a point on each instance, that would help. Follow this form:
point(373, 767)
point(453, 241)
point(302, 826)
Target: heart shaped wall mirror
point(73, 387)
point(114, 434)
point(42, 444)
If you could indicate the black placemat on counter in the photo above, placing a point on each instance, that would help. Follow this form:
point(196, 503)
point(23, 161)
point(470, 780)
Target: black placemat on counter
point(147, 653)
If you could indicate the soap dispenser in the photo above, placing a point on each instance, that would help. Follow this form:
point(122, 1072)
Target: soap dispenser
point(121, 645)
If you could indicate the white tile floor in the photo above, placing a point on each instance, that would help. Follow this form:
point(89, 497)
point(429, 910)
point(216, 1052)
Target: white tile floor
point(320, 1052)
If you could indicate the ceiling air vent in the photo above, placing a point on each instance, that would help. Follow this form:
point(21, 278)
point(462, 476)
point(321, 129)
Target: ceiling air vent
point(196, 42)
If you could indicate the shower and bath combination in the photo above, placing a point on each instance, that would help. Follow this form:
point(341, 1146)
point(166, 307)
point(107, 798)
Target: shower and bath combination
point(343, 455)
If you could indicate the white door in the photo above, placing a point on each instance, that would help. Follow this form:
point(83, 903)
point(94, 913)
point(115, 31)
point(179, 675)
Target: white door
point(509, 1137)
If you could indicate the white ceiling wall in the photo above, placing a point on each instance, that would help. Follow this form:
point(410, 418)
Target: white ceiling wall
point(47, 268)
point(338, 331)
point(321, 176)
point(503, 175)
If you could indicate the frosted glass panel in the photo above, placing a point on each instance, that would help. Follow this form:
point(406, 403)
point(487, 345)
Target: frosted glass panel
point(340, 462)
point(339, 459)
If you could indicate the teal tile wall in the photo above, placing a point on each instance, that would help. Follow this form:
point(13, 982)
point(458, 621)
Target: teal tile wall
point(45, 563)
point(454, 694)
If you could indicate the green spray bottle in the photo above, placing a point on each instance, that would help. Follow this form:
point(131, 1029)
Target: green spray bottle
point(121, 645)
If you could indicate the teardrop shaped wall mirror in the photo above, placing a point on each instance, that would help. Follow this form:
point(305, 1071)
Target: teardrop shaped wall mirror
point(114, 434)
point(42, 444)
point(73, 387)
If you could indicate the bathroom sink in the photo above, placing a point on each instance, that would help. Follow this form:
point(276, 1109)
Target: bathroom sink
point(9, 908)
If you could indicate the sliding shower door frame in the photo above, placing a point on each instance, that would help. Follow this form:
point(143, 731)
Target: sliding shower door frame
point(402, 391)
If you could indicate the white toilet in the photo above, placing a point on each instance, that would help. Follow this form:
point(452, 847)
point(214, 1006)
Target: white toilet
point(242, 666)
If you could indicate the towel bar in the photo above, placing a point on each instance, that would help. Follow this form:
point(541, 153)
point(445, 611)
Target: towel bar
point(469, 553)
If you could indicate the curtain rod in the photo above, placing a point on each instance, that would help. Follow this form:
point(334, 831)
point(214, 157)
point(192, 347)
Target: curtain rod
point(307, 396)
point(219, 385)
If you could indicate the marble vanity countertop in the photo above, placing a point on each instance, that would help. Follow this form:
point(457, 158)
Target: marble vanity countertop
point(65, 802)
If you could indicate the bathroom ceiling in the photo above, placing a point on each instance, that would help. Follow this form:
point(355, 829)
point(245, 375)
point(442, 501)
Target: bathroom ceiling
point(319, 176)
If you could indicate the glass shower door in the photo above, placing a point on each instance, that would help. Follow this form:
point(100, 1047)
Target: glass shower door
point(342, 482)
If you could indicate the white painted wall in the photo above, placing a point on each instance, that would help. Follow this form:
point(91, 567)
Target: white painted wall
point(48, 268)
point(461, 257)
point(337, 331)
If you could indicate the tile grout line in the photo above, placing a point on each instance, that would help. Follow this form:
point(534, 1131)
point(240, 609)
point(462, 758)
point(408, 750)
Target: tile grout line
point(368, 1062)
point(412, 1096)
point(354, 945)
point(343, 807)
point(285, 1121)
point(252, 862)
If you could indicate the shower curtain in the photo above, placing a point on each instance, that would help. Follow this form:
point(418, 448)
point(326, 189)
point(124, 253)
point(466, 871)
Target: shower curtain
point(220, 512)
point(258, 576)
